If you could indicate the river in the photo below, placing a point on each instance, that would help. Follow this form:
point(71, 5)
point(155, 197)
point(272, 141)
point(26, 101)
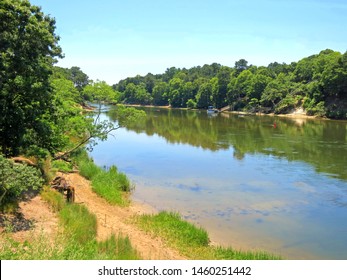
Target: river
point(251, 184)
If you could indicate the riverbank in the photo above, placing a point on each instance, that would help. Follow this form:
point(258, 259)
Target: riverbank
point(137, 222)
point(111, 220)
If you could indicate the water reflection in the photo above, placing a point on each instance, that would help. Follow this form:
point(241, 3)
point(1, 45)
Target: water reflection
point(249, 184)
point(320, 143)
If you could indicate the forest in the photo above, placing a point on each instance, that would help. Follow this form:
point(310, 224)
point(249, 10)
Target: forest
point(317, 83)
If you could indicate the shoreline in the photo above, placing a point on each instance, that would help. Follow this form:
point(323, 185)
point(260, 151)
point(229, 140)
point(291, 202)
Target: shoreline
point(297, 114)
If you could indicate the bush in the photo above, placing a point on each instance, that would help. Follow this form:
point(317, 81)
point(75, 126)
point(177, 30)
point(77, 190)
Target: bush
point(17, 178)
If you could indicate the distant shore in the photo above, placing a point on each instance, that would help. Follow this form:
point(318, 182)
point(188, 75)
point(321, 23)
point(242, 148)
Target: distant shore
point(299, 113)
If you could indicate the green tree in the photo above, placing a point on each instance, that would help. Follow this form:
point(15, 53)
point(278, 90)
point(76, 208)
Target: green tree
point(240, 89)
point(240, 66)
point(160, 93)
point(100, 91)
point(28, 48)
point(257, 85)
point(203, 97)
point(176, 92)
point(275, 91)
point(223, 76)
point(79, 78)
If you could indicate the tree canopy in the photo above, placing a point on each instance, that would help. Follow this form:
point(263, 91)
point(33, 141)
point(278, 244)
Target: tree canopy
point(317, 83)
point(28, 49)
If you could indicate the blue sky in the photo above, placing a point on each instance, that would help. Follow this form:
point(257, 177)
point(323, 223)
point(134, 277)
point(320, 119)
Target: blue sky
point(115, 39)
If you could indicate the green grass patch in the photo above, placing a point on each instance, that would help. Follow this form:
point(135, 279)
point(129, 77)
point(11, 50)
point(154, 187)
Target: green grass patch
point(78, 223)
point(117, 248)
point(54, 198)
point(170, 226)
point(63, 248)
point(192, 241)
point(109, 184)
point(62, 166)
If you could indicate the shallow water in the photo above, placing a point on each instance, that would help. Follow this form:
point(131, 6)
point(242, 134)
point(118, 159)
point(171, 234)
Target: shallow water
point(252, 186)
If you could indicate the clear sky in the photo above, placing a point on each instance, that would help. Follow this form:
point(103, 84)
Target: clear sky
point(115, 39)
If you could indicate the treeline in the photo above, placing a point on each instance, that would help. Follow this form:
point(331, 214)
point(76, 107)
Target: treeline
point(317, 83)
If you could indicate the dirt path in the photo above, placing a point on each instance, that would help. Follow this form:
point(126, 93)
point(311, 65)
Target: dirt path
point(110, 219)
point(44, 221)
point(115, 219)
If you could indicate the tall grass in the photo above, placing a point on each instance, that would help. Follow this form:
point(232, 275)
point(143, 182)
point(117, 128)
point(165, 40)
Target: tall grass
point(63, 248)
point(192, 241)
point(109, 184)
point(170, 226)
point(78, 223)
point(76, 239)
point(54, 199)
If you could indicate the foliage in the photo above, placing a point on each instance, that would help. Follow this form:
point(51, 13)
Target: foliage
point(277, 87)
point(17, 178)
point(100, 91)
point(28, 50)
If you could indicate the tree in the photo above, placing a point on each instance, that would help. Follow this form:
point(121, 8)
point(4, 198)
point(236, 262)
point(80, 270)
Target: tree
point(223, 76)
point(203, 97)
point(240, 66)
point(100, 91)
point(176, 92)
point(28, 49)
point(257, 85)
point(160, 93)
point(79, 78)
point(275, 91)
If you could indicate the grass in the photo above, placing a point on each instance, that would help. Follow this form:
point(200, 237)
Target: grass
point(192, 241)
point(76, 239)
point(78, 223)
point(62, 166)
point(110, 184)
point(54, 199)
point(171, 227)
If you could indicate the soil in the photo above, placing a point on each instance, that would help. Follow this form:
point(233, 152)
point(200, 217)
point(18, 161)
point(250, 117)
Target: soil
point(35, 217)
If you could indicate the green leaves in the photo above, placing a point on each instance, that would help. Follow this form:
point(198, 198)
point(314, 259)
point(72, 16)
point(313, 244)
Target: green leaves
point(28, 50)
point(16, 178)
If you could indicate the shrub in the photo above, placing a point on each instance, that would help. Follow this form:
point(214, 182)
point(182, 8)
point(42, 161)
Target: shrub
point(17, 178)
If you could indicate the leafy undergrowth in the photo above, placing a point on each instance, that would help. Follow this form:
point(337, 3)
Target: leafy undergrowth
point(192, 241)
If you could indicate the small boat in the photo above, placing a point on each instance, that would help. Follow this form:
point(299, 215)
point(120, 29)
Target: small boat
point(211, 110)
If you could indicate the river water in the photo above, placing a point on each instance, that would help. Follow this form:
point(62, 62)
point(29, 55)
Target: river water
point(251, 184)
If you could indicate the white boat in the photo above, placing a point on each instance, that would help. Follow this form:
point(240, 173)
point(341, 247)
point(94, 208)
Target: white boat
point(211, 110)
